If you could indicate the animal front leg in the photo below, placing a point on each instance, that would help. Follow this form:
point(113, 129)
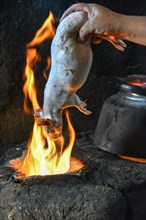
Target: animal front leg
point(75, 101)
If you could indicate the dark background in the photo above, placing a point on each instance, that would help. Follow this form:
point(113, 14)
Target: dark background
point(19, 21)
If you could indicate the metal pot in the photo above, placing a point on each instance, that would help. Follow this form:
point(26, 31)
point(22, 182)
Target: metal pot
point(121, 128)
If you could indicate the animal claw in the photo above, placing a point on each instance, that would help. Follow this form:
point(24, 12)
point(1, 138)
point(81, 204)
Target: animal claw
point(84, 104)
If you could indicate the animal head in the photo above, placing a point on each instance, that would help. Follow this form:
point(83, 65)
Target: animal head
point(53, 130)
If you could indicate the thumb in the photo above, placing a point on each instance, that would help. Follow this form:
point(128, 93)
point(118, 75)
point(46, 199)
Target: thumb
point(85, 32)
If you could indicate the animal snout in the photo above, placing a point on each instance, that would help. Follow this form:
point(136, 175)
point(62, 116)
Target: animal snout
point(53, 130)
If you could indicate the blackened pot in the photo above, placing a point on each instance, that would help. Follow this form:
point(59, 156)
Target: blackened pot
point(121, 128)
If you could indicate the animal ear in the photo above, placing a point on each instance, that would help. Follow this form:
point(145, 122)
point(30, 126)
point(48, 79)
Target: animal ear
point(75, 101)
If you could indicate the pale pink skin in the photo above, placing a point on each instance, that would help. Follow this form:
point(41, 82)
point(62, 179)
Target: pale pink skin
point(71, 63)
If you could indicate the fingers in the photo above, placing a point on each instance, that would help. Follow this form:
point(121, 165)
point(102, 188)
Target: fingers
point(119, 44)
point(122, 43)
point(74, 8)
point(86, 32)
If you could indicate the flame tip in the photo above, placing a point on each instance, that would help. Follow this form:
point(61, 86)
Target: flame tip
point(43, 156)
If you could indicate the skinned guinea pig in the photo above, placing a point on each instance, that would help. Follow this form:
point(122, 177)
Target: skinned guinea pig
point(70, 66)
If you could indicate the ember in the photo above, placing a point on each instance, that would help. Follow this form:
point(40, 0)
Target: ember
point(43, 156)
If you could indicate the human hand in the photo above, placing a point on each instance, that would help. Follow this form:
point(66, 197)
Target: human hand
point(102, 24)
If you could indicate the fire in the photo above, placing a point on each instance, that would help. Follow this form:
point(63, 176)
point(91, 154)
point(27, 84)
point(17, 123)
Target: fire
point(135, 159)
point(43, 156)
point(46, 31)
point(29, 87)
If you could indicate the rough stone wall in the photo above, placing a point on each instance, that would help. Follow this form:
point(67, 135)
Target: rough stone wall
point(20, 20)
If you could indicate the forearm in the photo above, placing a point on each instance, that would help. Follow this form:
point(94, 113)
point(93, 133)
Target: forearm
point(133, 28)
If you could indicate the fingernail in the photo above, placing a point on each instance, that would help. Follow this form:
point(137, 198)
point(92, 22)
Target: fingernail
point(122, 43)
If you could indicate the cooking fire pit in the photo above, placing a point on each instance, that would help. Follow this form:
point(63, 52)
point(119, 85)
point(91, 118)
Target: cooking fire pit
point(107, 188)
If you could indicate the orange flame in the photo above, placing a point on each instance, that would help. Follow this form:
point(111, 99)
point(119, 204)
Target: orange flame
point(43, 156)
point(29, 87)
point(47, 68)
point(46, 31)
